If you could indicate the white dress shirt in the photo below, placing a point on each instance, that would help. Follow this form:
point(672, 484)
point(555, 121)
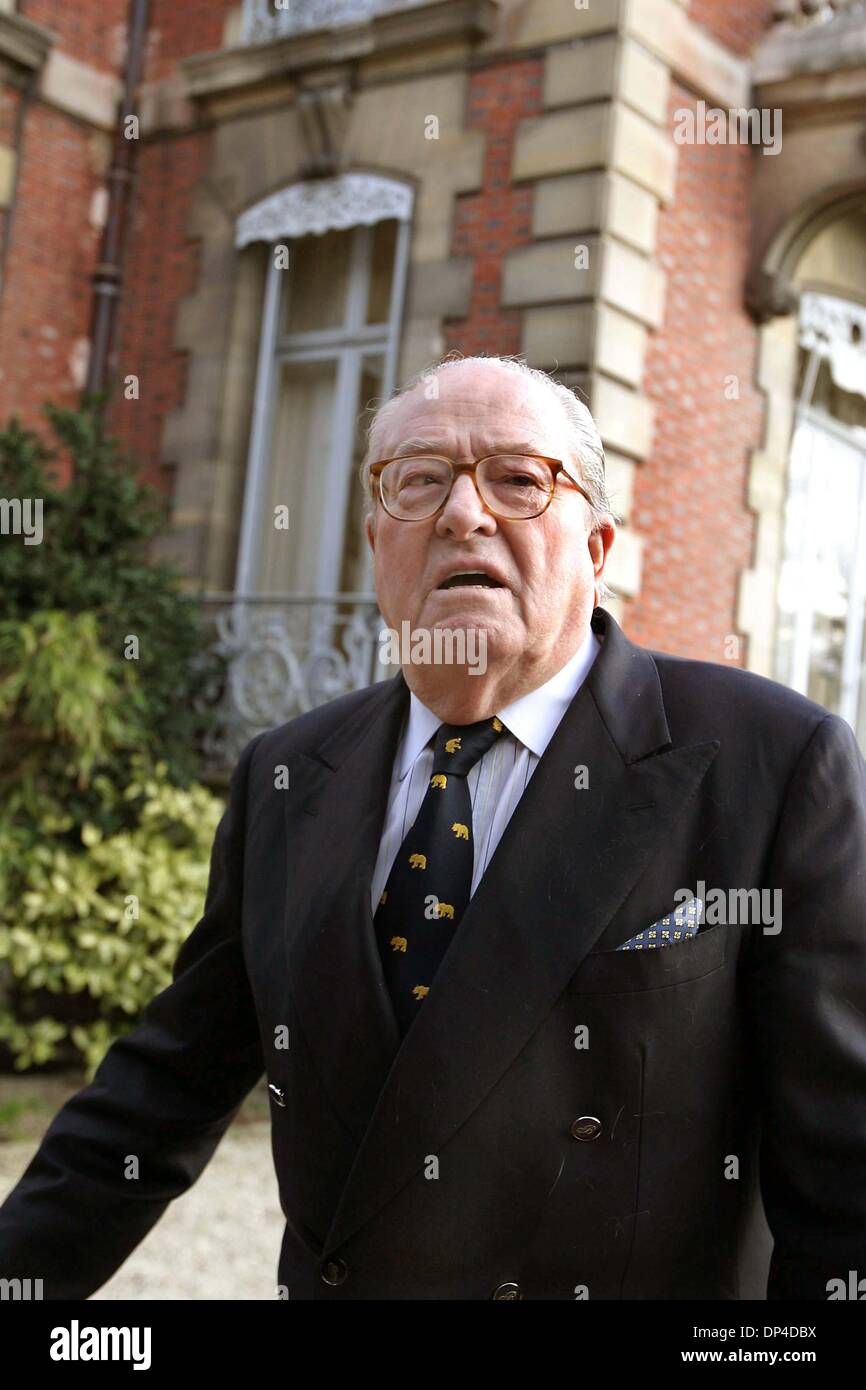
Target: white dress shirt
point(496, 782)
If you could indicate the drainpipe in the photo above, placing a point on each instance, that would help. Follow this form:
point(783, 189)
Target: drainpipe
point(107, 275)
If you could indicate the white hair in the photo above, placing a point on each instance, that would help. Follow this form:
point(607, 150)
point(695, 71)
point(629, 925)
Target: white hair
point(582, 433)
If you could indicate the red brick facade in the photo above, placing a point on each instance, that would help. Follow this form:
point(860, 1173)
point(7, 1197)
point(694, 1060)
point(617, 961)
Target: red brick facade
point(690, 495)
point(160, 270)
point(498, 218)
point(690, 500)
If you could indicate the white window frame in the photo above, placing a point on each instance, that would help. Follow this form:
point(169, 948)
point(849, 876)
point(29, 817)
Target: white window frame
point(826, 322)
point(350, 201)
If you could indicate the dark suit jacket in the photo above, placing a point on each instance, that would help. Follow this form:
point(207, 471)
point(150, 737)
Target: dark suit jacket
point(489, 1150)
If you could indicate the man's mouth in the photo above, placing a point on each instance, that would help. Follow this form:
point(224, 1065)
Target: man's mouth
point(470, 579)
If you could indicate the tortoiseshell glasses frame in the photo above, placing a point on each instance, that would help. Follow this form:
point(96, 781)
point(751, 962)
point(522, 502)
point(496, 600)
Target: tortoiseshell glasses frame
point(556, 466)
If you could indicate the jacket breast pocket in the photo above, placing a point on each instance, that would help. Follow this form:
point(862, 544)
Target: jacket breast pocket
point(625, 972)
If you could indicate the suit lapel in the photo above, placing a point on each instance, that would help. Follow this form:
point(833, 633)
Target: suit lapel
point(567, 860)
point(334, 817)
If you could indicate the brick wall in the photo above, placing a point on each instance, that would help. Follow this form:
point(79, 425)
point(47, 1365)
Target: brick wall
point(161, 267)
point(498, 218)
point(690, 495)
point(51, 234)
point(51, 252)
point(177, 31)
point(91, 31)
point(738, 24)
point(161, 262)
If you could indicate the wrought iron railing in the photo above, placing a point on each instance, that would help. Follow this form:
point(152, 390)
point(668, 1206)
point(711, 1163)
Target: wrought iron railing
point(275, 656)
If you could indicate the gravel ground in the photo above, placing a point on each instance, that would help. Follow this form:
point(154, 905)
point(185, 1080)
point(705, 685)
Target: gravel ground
point(221, 1240)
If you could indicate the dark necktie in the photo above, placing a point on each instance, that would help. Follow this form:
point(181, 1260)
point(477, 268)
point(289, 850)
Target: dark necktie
point(431, 878)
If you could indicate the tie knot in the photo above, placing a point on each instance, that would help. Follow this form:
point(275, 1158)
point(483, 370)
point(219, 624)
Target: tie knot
point(458, 747)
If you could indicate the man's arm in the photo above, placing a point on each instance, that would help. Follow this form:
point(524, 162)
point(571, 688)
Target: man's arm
point(806, 992)
point(164, 1095)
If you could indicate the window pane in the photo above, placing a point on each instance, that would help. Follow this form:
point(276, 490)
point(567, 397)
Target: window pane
point(302, 437)
point(819, 646)
point(355, 559)
point(848, 407)
point(381, 271)
point(815, 588)
point(314, 295)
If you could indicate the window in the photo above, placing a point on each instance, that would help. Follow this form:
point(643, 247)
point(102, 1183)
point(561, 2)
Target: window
point(328, 346)
point(820, 646)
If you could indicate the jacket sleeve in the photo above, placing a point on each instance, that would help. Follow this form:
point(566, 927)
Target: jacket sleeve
point(163, 1095)
point(806, 992)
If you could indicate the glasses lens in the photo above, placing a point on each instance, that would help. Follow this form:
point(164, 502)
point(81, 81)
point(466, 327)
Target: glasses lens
point(415, 487)
point(514, 485)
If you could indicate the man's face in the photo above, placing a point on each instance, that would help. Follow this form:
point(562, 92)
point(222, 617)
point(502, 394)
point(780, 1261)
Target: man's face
point(547, 567)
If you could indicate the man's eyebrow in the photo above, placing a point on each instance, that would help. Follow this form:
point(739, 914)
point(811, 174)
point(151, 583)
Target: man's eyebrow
point(414, 446)
point(417, 446)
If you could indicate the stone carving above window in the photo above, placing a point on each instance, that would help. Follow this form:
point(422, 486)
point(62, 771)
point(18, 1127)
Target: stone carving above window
point(808, 38)
point(836, 329)
point(770, 295)
point(803, 13)
point(323, 205)
point(272, 19)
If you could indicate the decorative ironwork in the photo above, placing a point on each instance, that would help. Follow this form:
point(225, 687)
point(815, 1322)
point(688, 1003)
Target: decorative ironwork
point(264, 20)
point(836, 329)
point(806, 13)
point(282, 655)
point(322, 205)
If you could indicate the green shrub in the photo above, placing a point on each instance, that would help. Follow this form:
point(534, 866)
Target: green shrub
point(94, 558)
point(95, 920)
point(104, 833)
point(100, 880)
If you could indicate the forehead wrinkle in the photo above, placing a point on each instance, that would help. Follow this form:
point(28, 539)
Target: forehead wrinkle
point(415, 445)
point(494, 446)
point(471, 425)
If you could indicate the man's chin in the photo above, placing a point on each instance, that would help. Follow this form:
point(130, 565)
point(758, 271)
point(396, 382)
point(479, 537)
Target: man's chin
point(468, 607)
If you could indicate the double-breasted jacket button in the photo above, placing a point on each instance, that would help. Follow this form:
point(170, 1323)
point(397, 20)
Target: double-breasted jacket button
point(334, 1271)
point(277, 1096)
point(507, 1292)
point(587, 1127)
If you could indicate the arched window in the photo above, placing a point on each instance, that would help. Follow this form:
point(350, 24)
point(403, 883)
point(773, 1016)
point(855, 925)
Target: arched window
point(820, 646)
point(329, 340)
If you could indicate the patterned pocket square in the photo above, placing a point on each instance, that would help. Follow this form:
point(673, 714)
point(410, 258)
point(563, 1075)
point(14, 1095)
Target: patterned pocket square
point(679, 925)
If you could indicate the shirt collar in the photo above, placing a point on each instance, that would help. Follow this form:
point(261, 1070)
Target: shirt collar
point(532, 719)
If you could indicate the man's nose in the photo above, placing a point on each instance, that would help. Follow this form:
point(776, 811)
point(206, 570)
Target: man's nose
point(464, 513)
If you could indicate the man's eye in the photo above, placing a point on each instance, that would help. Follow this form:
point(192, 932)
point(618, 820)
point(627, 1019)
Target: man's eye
point(417, 480)
point(521, 480)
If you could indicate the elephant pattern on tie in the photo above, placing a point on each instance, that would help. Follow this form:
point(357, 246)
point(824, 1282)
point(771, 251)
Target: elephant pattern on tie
point(433, 866)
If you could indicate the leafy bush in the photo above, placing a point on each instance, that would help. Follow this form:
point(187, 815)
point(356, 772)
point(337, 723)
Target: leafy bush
point(104, 834)
point(100, 882)
point(99, 923)
point(93, 558)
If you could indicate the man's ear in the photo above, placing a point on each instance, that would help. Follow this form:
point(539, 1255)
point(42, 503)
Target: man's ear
point(600, 542)
point(370, 532)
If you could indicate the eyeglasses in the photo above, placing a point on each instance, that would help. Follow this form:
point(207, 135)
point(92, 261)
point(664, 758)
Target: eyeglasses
point(514, 487)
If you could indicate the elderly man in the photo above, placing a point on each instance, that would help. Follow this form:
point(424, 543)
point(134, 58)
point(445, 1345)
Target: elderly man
point(556, 964)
